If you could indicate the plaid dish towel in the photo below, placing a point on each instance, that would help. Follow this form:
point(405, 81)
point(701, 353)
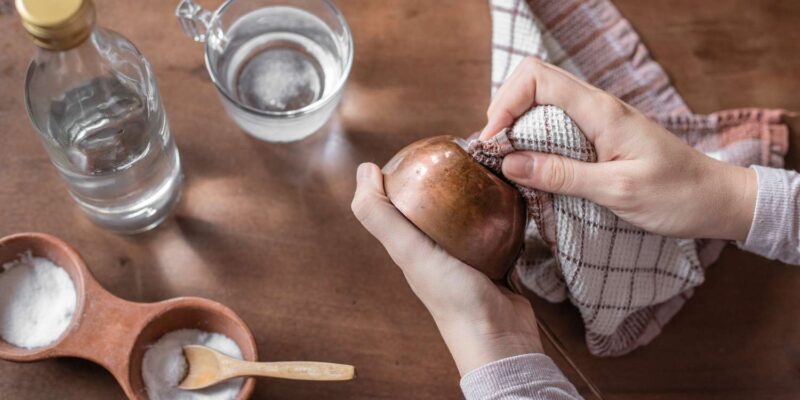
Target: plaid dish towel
point(626, 283)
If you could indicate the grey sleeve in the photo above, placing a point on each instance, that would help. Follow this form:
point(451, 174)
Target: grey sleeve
point(775, 232)
point(528, 376)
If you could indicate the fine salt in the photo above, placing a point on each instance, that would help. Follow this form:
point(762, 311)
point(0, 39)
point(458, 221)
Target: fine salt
point(37, 302)
point(164, 366)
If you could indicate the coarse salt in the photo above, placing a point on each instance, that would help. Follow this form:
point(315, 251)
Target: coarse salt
point(37, 302)
point(164, 366)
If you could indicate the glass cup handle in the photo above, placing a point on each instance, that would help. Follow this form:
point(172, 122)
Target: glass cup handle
point(194, 19)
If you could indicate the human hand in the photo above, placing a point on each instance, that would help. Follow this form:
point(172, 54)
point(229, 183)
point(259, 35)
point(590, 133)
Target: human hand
point(644, 174)
point(479, 321)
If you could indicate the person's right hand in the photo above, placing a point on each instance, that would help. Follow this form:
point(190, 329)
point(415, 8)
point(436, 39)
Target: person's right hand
point(644, 174)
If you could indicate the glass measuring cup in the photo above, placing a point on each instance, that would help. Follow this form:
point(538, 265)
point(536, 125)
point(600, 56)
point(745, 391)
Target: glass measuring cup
point(279, 65)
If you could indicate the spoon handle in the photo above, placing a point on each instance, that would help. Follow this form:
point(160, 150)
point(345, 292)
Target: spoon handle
point(298, 370)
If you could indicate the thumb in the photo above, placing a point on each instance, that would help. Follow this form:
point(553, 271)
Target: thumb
point(555, 174)
point(402, 240)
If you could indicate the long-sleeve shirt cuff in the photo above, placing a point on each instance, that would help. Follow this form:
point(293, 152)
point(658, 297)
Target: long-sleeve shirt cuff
point(776, 221)
point(528, 376)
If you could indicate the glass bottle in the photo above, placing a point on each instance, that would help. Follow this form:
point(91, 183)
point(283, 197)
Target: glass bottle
point(93, 100)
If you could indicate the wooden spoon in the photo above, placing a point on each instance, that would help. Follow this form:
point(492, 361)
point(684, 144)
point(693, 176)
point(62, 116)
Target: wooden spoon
point(207, 367)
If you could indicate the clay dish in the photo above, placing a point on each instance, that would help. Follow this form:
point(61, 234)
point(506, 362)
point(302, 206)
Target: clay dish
point(113, 332)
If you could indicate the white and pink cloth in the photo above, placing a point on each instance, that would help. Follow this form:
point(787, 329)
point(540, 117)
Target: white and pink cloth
point(626, 282)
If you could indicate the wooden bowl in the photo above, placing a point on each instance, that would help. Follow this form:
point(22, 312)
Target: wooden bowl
point(113, 332)
point(465, 208)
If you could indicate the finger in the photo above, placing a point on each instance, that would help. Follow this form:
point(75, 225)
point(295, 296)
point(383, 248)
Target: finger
point(402, 240)
point(514, 97)
point(535, 82)
point(557, 174)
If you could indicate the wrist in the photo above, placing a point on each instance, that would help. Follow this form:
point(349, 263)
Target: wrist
point(736, 202)
point(474, 345)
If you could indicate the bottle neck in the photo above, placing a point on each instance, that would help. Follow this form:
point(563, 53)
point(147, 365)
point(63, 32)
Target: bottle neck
point(85, 46)
point(82, 62)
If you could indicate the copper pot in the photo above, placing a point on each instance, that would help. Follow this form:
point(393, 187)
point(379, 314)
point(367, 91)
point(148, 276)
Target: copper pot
point(465, 208)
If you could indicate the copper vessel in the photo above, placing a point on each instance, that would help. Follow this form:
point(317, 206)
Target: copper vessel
point(465, 208)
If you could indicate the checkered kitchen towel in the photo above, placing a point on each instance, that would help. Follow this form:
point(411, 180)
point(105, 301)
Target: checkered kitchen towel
point(626, 282)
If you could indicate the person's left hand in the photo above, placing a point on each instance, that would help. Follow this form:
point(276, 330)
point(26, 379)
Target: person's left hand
point(479, 321)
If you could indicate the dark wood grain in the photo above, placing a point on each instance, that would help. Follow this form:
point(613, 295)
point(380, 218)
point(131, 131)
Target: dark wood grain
point(266, 229)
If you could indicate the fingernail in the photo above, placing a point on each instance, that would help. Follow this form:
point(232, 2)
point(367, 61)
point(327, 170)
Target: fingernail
point(484, 133)
point(517, 166)
point(363, 172)
point(488, 131)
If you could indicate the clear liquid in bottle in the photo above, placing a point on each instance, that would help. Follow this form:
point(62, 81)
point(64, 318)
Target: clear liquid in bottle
point(93, 100)
point(120, 162)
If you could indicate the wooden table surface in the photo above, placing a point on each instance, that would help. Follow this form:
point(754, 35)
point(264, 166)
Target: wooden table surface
point(266, 229)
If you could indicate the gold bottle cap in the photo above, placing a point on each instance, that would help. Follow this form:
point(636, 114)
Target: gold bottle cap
point(57, 24)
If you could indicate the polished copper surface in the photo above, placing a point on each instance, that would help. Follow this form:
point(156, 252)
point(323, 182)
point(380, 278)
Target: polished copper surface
point(457, 202)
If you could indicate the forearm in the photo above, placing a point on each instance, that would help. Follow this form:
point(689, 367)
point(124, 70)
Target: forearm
point(524, 377)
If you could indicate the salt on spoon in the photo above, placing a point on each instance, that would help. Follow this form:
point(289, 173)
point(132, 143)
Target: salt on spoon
point(207, 367)
point(164, 366)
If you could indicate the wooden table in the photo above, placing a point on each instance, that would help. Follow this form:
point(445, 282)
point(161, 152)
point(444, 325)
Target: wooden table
point(266, 229)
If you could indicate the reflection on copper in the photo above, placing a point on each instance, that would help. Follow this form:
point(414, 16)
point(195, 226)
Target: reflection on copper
point(470, 212)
